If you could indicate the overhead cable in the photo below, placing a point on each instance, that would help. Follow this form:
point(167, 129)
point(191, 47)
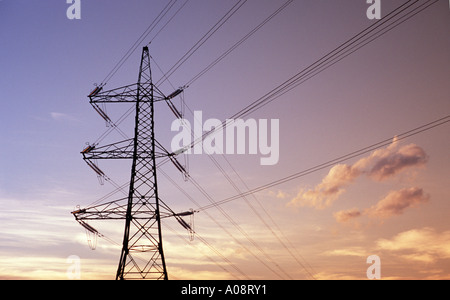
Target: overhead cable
point(368, 35)
point(328, 164)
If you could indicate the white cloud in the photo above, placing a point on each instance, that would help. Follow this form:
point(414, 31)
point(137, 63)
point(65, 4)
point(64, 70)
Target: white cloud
point(420, 245)
point(331, 187)
point(57, 116)
point(281, 195)
point(353, 251)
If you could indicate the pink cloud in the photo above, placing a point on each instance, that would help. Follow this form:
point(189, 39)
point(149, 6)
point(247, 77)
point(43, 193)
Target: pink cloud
point(344, 216)
point(385, 163)
point(396, 202)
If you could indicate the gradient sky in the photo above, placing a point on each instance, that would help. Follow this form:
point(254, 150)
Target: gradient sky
point(393, 202)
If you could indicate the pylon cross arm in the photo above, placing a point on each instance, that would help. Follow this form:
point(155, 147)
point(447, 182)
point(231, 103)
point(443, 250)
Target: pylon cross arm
point(124, 94)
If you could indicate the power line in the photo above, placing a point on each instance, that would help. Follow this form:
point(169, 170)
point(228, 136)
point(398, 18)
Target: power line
point(358, 41)
point(203, 40)
point(195, 183)
point(213, 250)
point(237, 44)
point(141, 38)
point(290, 84)
point(363, 38)
point(170, 20)
point(265, 21)
point(332, 58)
point(224, 173)
point(248, 203)
point(183, 59)
point(304, 264)
point(226, 215)
point(386, 142)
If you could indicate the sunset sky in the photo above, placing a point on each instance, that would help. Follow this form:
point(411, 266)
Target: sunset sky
point(392, 201)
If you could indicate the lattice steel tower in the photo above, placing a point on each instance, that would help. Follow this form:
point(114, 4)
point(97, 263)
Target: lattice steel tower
point(142, 255)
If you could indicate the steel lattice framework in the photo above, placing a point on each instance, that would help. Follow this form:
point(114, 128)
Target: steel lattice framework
point(142, 255)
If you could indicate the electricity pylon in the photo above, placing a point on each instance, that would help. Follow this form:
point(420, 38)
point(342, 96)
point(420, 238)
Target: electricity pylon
point(142, 255)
